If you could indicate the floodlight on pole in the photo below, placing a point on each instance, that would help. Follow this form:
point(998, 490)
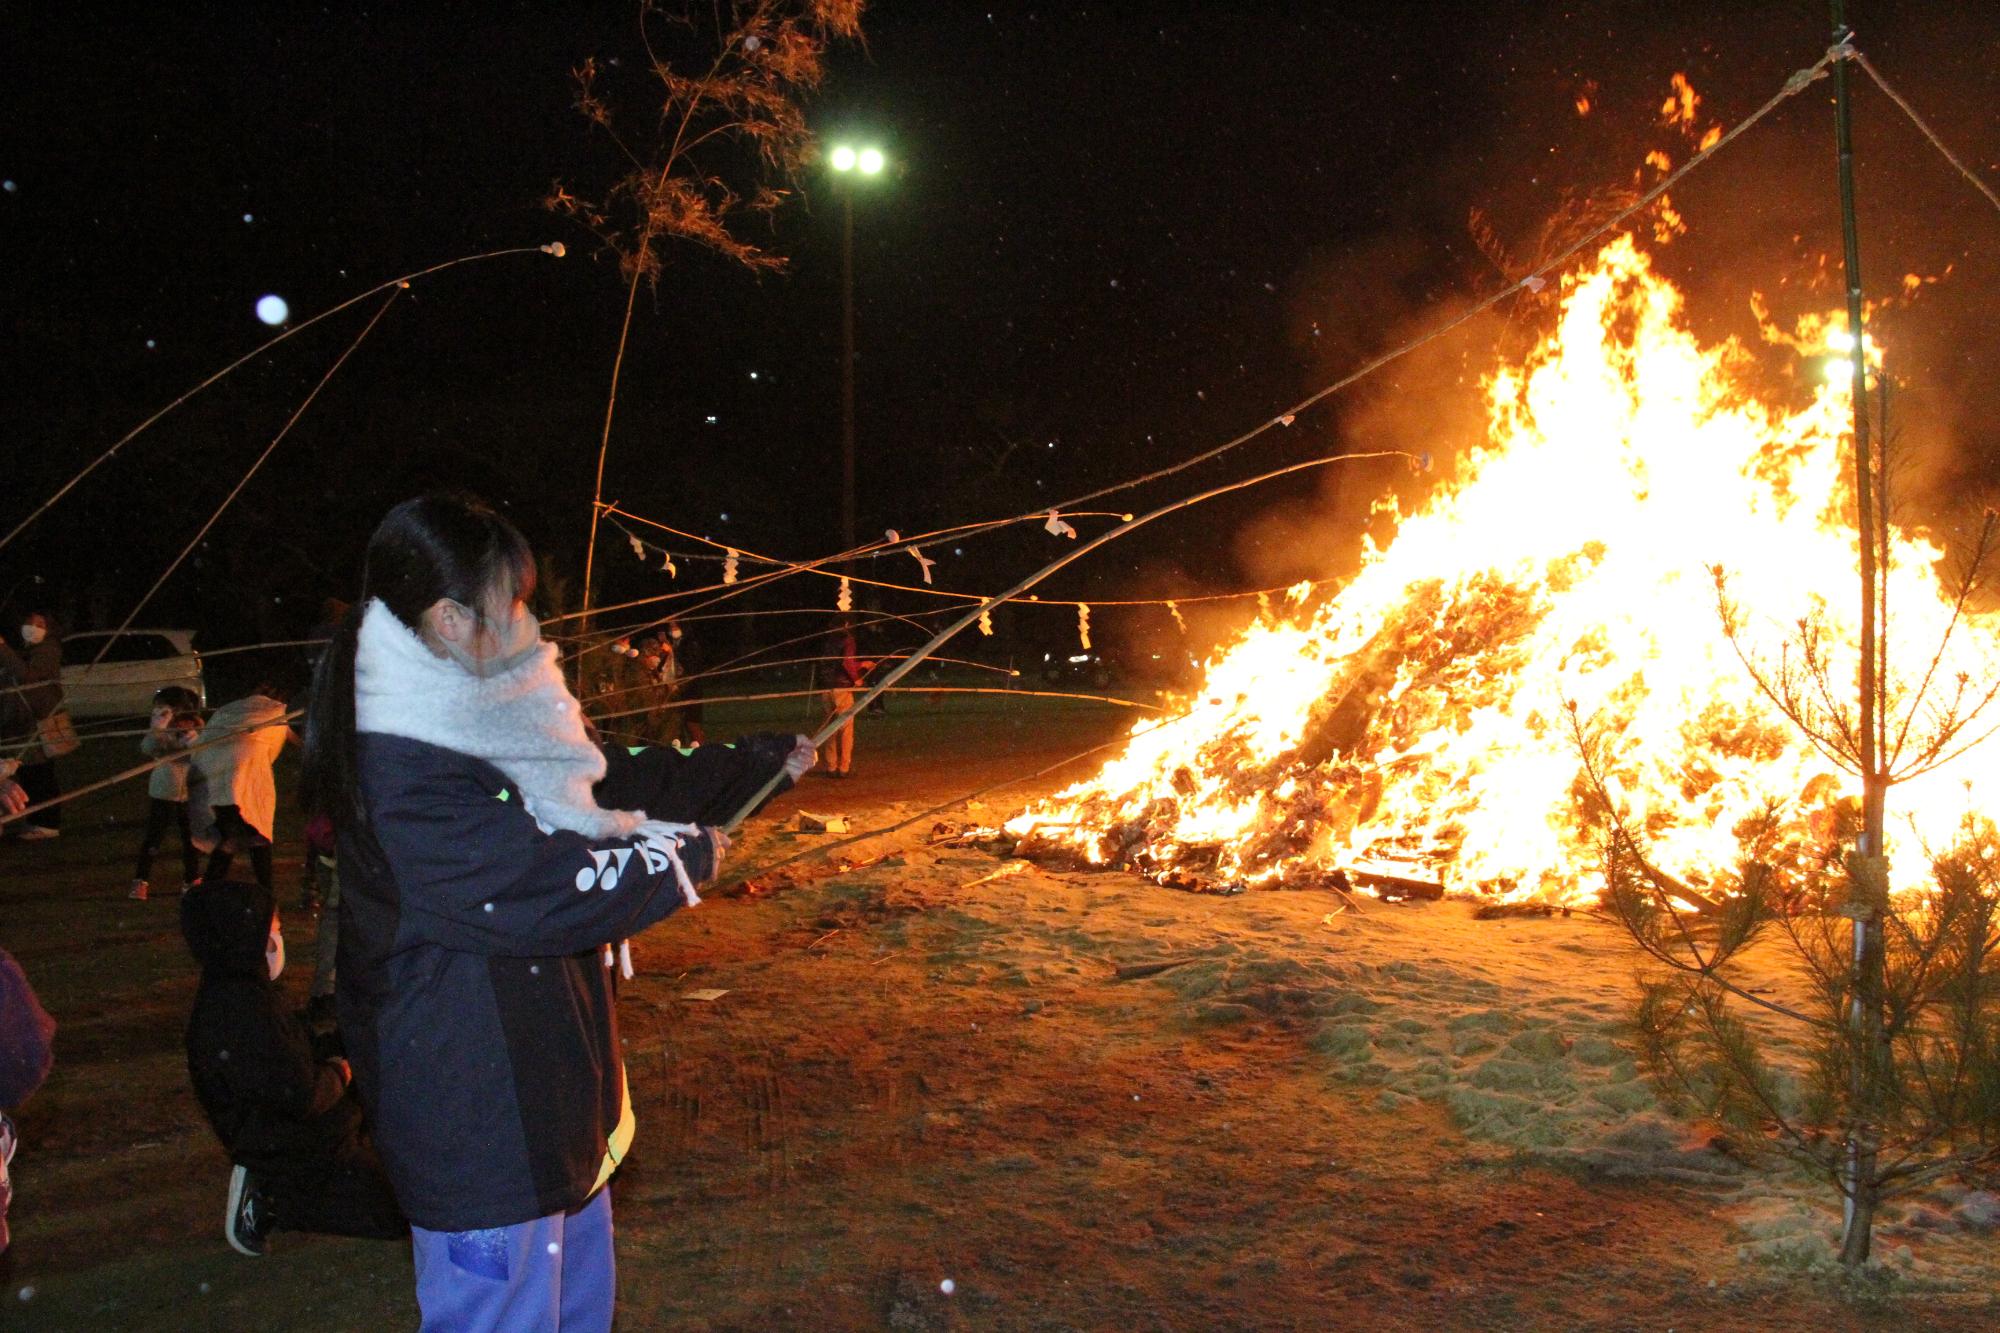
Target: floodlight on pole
point(847, 160)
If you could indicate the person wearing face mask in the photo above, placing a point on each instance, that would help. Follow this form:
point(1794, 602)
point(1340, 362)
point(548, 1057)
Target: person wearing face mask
point(232, 790)
point(290, 1122)
point(35, 723)
point(492, 861)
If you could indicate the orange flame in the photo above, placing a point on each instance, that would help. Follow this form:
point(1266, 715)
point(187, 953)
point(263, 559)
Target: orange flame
point(1420, 715)
point(1682, 105)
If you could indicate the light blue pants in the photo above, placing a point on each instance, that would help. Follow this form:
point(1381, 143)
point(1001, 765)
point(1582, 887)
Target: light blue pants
point(556, 1274)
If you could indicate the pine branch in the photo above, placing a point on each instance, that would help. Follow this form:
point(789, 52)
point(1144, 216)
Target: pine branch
point(1968, 582)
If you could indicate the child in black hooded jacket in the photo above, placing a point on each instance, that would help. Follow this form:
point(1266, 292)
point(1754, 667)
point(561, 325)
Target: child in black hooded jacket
point(289, 1121)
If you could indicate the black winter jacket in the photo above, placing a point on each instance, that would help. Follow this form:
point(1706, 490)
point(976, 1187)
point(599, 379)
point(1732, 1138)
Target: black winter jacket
point(276, 1108)
point(476, 994)
point(37, 673)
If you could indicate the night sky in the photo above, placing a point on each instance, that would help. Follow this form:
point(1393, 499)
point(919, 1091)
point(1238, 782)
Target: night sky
point(1110, 236)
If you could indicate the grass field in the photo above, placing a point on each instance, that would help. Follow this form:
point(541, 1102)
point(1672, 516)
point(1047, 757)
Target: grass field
point(936, 1065)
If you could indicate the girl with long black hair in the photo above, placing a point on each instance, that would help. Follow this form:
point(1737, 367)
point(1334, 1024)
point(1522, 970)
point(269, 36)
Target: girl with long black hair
point(492, 860)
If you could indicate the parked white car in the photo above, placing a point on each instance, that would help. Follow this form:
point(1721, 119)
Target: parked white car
point(139, 662)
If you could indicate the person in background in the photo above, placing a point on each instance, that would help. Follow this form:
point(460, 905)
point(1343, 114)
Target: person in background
point(685, 722)
point(37, 671)
point(322, 879)
point(325, 625)
point(492, 862)
point(17, 732)
point(654, 688)
point(620, 687)
point(290, 1122)
point(14, 724)
point(322, 896)
point(235, 795)
point(26, 1031)
point(176, 721)
point(849, 671)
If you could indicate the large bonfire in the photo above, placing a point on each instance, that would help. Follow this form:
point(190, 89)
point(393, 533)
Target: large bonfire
point(1419, 723)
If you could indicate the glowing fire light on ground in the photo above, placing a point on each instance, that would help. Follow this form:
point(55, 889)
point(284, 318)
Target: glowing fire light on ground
point(1419, 717)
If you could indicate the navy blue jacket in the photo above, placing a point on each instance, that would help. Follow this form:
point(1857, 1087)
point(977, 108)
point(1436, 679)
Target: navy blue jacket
point(475, 996)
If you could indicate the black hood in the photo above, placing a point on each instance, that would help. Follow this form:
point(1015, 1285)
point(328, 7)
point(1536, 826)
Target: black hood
point(226, 924)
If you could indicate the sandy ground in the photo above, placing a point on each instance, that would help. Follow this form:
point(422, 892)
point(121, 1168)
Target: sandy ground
point(1087, 1102)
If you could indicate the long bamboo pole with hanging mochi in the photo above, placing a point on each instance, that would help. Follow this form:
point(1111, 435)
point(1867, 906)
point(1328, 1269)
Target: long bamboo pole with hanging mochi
point(943, 636)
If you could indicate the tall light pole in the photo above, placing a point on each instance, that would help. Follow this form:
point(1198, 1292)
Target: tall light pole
point(847, 162)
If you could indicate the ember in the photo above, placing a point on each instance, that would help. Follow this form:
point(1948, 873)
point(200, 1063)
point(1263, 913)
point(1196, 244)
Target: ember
point(1419, 719)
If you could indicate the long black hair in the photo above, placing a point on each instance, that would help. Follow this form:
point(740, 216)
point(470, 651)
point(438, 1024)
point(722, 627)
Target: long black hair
point(435, 546)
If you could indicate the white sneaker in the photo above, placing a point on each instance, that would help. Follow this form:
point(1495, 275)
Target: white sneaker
point(246, 1224)
point(38, 833)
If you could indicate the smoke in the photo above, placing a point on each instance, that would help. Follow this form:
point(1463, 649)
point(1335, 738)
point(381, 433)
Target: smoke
point(1562, 143)
point(1427, 405)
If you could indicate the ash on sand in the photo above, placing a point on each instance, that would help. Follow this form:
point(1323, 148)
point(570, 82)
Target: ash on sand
point(1518, 1026)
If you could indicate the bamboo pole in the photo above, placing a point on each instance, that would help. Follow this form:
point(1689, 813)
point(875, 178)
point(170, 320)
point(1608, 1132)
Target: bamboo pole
point(1868, 868)
point(244, 480)
point(910, 663)
point(552, 248)
point(290, 717)
point(604, 441)
point(766, 696)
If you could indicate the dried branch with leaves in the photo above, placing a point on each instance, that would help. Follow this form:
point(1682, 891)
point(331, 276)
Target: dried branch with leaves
point(701, 154)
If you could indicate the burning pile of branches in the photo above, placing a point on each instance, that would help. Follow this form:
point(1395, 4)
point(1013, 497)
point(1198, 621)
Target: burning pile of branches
point(1419, 728)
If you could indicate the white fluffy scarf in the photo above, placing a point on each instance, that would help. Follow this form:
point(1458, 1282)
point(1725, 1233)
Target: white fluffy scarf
point(524, 722)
